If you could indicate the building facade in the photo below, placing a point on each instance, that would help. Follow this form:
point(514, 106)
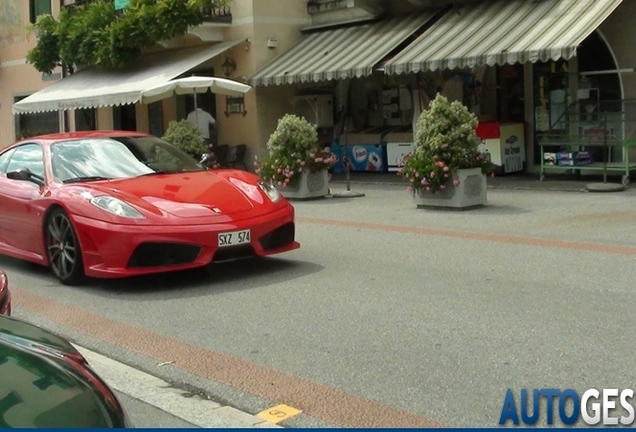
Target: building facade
point(360, 69)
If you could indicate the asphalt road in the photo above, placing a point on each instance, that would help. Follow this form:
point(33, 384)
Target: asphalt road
point(387, 315)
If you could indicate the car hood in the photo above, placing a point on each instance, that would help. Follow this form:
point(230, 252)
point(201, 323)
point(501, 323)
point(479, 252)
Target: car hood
point(182, 195)
point(34, 338)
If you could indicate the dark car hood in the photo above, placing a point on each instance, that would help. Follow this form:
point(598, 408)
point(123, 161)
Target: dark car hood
point(184, 195)
point(33, 338)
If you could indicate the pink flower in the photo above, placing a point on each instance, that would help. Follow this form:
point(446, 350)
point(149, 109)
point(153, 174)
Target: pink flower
point(279, 170)
point(492, 175)
point(428, 189)
point(409, 189)
point(255, 163)
point(319, 159)
point(258, 171)
point(302, 163)
point(456, 182)
point(442, 187)
point(286, 180)
point(445, 168)
point(423, 181)
point(412, 180)
point(312, 155)
point(445, 175)
point(280, 183)
point(300, 170)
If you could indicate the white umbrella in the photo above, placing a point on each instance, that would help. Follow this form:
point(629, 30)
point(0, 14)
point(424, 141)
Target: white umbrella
point(194, 85)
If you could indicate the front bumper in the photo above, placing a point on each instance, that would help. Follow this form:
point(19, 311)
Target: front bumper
point(113, 251)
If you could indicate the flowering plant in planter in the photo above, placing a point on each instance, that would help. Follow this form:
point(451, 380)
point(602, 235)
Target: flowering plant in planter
point(292, 150)
point(446, 142)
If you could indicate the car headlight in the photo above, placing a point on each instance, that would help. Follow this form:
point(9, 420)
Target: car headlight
point(270, 191)
point(116, 207)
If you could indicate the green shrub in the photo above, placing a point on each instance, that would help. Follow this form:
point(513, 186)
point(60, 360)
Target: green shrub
point(446, 142)
point(293, 148)
point(186, 137)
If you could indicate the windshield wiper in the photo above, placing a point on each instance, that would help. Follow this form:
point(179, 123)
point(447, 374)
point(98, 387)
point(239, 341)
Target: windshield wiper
point(86, 178)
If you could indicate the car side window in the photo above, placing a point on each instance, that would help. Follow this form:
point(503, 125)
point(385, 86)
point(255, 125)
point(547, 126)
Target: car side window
point(4, 160)
point(28, 156)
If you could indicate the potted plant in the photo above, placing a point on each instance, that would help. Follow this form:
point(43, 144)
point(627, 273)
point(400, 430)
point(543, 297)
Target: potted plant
point(295, 163)
point(446, 168)
point(186, 137)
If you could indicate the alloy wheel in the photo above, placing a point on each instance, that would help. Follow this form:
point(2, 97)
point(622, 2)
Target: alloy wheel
point(62, 247)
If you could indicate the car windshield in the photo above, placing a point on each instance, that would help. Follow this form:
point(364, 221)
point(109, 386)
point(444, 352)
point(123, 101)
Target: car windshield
point(117, 158)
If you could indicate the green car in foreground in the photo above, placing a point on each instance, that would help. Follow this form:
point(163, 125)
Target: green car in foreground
point(46, 383)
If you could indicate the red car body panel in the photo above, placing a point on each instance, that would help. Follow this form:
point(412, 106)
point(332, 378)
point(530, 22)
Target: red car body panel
point(5, 295)
point(189, 208)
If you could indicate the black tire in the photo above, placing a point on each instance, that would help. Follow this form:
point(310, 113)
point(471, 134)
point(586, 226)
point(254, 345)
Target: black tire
point(63, 249)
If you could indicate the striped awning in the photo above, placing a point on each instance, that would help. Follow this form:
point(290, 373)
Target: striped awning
point(94, 88)
point(503, 32)
point(340, 53)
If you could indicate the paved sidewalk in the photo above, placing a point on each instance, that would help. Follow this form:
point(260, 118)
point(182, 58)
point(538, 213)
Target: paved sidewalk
point(158, 394)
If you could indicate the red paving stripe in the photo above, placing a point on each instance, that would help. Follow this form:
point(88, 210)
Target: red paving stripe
point(318, 400)
point(496, 238)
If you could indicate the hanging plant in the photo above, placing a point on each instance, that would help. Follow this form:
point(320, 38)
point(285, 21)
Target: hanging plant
point(97, 35)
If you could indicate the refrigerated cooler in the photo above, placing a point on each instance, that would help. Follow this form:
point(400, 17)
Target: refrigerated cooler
point(366, 151)
point(399, 142)
point(504, 144)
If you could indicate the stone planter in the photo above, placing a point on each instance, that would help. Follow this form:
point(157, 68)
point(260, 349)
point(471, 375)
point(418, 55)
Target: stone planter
point(470, 193)
point(310, 186)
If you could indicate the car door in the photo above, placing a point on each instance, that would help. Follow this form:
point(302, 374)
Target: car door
point(5, 156)
point(21, 220)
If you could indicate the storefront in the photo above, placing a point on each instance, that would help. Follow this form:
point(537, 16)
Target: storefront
point(517, 65)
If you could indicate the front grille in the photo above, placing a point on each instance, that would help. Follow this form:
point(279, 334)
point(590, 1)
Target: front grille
point(233, 253)
point(163, 254)
point(280, 237)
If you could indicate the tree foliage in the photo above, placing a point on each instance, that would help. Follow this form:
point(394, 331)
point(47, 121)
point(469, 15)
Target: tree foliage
point(96, 34)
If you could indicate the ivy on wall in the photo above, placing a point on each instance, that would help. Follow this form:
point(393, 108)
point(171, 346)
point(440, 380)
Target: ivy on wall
point(96, 34)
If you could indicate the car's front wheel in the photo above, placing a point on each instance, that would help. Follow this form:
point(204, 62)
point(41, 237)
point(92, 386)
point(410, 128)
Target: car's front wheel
point(63, 248)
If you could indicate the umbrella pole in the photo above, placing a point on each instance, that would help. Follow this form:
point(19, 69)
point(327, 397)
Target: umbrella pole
point(196, 108)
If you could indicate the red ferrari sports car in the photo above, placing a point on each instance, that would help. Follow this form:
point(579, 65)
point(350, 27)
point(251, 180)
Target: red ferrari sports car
point(5, 295)
point(110, 204)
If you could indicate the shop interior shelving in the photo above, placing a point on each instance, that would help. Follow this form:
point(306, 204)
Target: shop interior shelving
point(605, 129)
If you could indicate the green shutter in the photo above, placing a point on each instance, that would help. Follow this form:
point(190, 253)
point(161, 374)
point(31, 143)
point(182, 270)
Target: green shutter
point(40, 7)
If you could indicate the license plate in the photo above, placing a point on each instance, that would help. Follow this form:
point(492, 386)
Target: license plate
point(234, 238)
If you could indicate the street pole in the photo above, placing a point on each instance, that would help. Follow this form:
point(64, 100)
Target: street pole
point(348, 193)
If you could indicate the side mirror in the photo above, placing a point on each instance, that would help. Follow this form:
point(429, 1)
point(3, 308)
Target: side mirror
point(208, 160)
point(25, 174)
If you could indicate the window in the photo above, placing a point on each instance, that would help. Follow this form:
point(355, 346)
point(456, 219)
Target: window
point(39, 7)
point(28, 156)
point(4, 160)
point(85, 119)
point(30, 125)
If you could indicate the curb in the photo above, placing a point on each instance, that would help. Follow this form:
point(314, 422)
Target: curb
point(555, 189)
point(160, 394)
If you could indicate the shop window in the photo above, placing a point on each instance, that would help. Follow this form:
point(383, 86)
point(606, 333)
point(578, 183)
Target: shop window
point(125, 117)
point(39, 7)
point(28, 125)
point(155, 119)
point(85, 119)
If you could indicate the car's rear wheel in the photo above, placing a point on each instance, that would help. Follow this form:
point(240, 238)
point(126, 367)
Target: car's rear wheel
point(63, 248)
